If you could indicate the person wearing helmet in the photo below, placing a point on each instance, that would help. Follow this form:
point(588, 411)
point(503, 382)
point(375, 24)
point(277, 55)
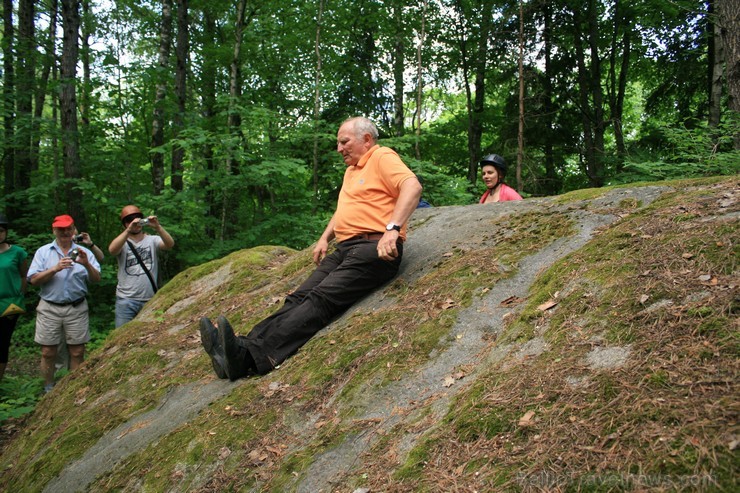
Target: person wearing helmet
point(493, 172)
point(62, 269)
point(13, 269)
point(138, 261)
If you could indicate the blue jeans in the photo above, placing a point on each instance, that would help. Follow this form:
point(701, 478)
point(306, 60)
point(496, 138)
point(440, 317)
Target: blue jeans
point(126, 310)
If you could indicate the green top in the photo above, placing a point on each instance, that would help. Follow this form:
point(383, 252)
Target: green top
point(10, 280)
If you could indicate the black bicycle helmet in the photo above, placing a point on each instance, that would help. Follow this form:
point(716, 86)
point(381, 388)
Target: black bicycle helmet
point(3, 221)
point(494, 160)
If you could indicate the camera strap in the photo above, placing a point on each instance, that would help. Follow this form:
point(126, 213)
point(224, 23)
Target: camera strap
point(141, 263)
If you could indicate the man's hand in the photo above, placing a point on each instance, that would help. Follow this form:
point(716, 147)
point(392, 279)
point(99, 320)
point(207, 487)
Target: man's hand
point(319, 251)
point(64, 263)
point(154, 222)
point(387, 249)
point(82, 257)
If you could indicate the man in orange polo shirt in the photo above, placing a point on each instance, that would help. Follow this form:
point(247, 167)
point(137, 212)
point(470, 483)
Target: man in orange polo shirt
point(378, 195)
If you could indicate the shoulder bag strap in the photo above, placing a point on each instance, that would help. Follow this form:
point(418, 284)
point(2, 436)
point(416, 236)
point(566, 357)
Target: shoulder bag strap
point(141, 263)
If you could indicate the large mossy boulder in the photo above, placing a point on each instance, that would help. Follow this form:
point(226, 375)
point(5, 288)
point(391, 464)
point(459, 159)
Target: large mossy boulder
point(585, 342)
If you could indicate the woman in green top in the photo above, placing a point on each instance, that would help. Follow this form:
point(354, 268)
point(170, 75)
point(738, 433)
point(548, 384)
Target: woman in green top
point(13, 268)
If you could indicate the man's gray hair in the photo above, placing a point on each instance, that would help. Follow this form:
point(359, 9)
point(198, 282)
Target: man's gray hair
point(363, 126)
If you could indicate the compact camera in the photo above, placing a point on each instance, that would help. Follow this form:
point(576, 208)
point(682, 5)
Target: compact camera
point(144, 222)
point(74, 254)
point(77, 238)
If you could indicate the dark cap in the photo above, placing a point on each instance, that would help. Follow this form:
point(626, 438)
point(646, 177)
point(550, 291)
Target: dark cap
point(493, 160)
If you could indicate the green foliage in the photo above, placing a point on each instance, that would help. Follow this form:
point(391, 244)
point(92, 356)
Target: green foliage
point(689, 152)
point(18, 395)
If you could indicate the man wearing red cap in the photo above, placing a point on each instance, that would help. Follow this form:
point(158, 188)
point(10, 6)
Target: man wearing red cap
point(138, 261)
point(62, 269)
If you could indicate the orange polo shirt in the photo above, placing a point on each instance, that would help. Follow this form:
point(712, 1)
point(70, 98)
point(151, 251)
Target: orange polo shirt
point(369, 193)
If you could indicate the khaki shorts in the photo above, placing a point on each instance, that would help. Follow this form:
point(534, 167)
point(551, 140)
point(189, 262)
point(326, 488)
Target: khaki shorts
point(53, 321)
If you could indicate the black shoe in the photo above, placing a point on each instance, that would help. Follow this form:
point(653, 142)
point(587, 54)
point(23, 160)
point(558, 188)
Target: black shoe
point(210, 341)
point(234, 353)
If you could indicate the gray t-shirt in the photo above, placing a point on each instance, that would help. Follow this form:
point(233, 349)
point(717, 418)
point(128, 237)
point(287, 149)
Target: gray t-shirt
point(133, 283)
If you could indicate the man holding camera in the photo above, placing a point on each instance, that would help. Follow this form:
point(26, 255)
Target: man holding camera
point(378, 195)
point(62, 269)
point(138, 261)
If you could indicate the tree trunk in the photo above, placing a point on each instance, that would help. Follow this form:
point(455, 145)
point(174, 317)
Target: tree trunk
point(25, 82)
point(157, 157)
point(420, 79)
point(398, 68)
point(85, 56)
point(520, 132)
point(729, 20)
point(235, 85)
point(590, 95)
point(68, 106)
point(8, 105)
point(49, 62)
point(552, 179)
point(617, 84)
point(715, 68)
point(182, 50)
point(208, 99)
point(476, 116)
point(317, 106)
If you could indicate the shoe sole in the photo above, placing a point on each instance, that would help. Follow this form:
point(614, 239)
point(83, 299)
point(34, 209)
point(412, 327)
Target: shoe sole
point(227, 339)
point(208, 341)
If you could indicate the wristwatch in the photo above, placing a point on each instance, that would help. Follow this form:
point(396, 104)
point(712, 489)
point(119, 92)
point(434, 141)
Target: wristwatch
point(391, 227)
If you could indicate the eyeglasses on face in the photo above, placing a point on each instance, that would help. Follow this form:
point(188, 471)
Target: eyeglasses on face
point(131, 217)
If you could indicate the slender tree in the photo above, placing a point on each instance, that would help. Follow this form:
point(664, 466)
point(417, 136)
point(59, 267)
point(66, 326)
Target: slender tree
point(317, 106)
point(520, 132)
point(49, 62)
point(158, 122)
point(208, 111)
point(86, 89)
point(619, 61)
point(8, 103)
point(68, 106)
point(591, 98)
point(398, 67)
point(420, 80)
point(25, 86)
point(182, 51)
point(235, 85)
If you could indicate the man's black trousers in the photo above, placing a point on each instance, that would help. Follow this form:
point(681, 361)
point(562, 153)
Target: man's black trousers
point(350, 272)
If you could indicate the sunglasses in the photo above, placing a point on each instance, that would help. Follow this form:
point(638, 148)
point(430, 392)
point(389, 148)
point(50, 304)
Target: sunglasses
point(131, 217)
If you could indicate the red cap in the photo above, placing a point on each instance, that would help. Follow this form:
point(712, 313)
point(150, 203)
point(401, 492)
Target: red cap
point(63, 221)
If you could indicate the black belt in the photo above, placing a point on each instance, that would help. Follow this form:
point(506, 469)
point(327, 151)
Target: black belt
point(67, 303)
point(368, 236)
